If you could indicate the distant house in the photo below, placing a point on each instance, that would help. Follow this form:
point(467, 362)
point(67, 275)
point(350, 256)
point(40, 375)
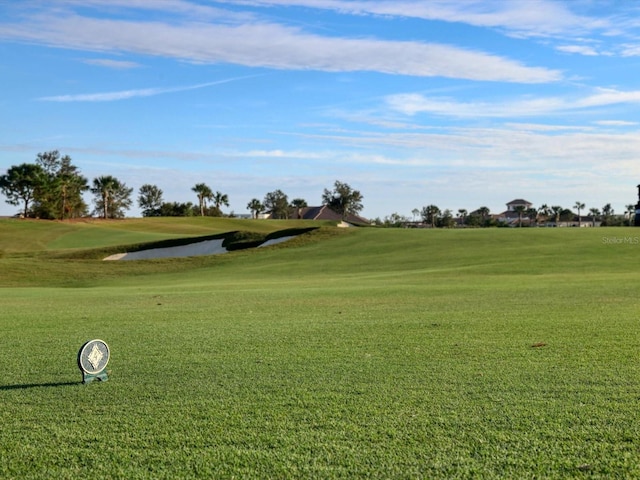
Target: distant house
point(321, 213)
point(519, 202)
point(325, 213)
point(511, 217)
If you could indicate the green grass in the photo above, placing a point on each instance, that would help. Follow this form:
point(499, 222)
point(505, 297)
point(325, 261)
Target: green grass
point(359, 353)
point(32, 235)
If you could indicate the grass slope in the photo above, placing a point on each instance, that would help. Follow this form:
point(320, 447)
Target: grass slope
point(344, 354)
point(33, 235)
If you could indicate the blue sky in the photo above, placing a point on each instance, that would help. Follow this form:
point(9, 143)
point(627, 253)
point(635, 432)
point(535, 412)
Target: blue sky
point(459, 103)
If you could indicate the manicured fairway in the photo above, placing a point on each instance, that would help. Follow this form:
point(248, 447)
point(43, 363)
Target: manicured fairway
point(343, 354)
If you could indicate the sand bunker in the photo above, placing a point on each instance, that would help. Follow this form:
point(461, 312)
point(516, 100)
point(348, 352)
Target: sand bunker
point(274, 241)
point(208, 247)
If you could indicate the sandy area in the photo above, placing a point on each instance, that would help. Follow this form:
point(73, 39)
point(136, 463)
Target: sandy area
point(274, 241)
point(208, 247)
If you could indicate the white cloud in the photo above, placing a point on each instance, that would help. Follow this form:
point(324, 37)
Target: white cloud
point(411, 104)
point(608, 97)
point(579, 23)
point(579, 49)
point(272, 46)
point(537, 18)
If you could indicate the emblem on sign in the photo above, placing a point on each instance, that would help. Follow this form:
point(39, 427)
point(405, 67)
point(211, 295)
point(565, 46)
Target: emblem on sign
point(92, 361)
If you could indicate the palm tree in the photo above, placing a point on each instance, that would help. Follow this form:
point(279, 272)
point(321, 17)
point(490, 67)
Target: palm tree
point(594, 214)
point(218, 200)
point(255, 206)
point(631, 209)
point(415, 212)
point(430, 213)
point(299, 204)
point(105, 186)
point(150, 200)
point(607, 211)
point(556, 210)
point(484, 213)
point(579, 206)
point(204, 193)
point(462, 213)
point(519, 209)
point(532, 214)
point(545, 211)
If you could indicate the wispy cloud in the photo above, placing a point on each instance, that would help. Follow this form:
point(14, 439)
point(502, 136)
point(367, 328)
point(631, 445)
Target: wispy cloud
point(413, 103)
point(567, 150)
point(126, 94)
point(631, 50)
point(616, 123)
point(271, 45)
point(108, 63)
point(579, 49)
point(575, 24)
point(180, 8)
point(276, 154)
point(530, 18)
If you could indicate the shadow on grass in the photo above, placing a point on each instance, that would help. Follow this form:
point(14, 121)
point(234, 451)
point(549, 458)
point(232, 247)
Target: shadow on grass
point(37, 385)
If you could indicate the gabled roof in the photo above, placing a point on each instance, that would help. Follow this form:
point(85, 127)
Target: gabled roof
point(319, 213)
point(325, 213)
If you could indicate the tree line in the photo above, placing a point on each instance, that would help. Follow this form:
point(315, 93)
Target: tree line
point(342, 199)
point(433, 216)
point(53, 188)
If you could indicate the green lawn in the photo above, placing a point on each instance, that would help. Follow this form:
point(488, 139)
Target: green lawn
point(359, 353)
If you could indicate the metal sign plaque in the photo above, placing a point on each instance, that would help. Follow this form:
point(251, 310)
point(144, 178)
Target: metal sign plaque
point(92, 360)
